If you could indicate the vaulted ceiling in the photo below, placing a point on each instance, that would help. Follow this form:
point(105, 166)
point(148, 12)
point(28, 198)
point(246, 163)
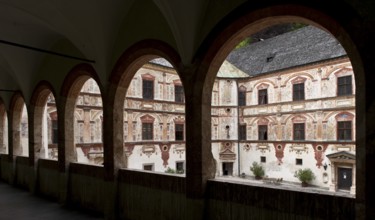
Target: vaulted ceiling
point(96, 31)
point(44, 39)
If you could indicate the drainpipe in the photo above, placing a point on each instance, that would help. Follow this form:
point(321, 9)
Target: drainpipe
point(238, 132)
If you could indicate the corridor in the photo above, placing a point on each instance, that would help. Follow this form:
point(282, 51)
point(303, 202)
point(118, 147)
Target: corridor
point(19, 204)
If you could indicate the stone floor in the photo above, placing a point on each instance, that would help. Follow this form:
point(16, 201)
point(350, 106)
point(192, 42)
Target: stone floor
point(19, 204)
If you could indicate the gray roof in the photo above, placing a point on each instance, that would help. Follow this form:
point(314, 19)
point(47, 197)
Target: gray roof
point(161, 62)
point(295, 48)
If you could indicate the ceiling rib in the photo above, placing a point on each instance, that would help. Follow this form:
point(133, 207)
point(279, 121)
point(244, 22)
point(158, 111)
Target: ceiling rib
point(45, 51)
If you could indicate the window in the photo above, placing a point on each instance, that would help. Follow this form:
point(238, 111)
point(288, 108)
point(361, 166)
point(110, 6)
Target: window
point(262, 97)
point(149, 167)
point(344, 130)
point(179, 93)
point(298, 161)
point(262, 132)
point(179, 132)
point(298, 91)
point(148, 89)
point(299, 131)
point(180, 167)
point(241, 98)
point(55, 134)
point(147, 131)
point(262, 159)
point(242, 132)
point(344, 85)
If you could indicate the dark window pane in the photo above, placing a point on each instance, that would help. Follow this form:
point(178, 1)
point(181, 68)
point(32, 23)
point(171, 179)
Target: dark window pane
point(344, 130)
point(298, 161)
point(180, 167)
point(298, 91)
point(148, 167)
point(179, 132)
point(344, 85)
point(147, 131)
point(179, 93)
point(242, 132)
point(262, 132)
point(262, 97)
point(148, 89)
point(299, 131)
point(242, 98)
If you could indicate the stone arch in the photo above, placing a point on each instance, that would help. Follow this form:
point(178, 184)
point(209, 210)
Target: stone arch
point(38, 103)
point(17, 106)
point(69, 92)
point(221, 42)
point(126, 67)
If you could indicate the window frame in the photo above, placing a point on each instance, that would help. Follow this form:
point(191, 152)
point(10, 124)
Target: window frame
point(242, 132)
point(148, 89)
point(147, 131)
point(179, 131)
point(346, 131)
point(179, 94)
point(262, 96)
point(346, 87)
point(263, 132)
point(241, 97)
point(296, 127)
point(299, 91)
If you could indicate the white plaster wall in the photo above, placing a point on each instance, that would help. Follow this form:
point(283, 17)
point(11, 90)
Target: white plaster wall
point(81, 158)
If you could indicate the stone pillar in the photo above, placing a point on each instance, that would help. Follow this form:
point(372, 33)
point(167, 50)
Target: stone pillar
point(333, 185)
point(353, 187)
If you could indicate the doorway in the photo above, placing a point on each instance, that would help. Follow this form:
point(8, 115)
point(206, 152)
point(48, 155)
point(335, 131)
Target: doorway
point(344, 178)
point(227, 168)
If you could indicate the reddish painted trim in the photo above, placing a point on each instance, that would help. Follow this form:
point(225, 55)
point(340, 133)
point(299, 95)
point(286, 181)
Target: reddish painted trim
point(147, 119)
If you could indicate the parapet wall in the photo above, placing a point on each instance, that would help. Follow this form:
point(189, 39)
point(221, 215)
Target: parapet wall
point(147, 195)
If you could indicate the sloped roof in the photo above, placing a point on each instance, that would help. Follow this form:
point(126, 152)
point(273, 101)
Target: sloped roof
point(295, 48)
point(229, 70)
point(161, 62)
